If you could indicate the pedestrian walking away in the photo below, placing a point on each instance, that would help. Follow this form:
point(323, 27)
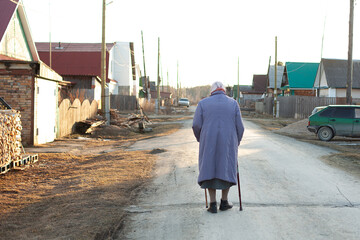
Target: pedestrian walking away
point(218, 128)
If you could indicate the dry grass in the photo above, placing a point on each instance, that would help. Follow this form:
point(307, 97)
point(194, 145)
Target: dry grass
point(79, 193)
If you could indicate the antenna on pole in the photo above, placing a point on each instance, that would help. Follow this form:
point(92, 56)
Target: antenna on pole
point(238, 86)
point(322, 47)
point(50, 60)
point(275, 88)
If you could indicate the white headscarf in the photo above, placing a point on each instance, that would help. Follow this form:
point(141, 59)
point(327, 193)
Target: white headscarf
point(217, 86)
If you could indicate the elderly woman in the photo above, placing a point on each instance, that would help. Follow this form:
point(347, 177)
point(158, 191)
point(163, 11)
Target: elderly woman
point(218, 127)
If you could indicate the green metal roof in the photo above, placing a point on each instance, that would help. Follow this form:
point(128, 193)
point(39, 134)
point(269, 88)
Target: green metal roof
point(301, 74)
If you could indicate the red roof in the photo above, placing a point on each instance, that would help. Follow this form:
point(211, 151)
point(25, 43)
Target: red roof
point(7, 9)
point(6, 58)
point(74, 59)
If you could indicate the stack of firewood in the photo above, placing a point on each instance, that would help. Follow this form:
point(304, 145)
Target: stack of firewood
point(10, 136)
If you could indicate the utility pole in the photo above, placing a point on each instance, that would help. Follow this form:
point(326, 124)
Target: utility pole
point(238, 84)
point(350, 57)
point(158, 79)
point(146, 84)
point(177, 81)
point(275, 88)
point(162, 78)
point(105, 104)
point(180, 96)
point(168, 86)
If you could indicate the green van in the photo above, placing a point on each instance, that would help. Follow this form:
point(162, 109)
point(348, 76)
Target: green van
point(335, 120)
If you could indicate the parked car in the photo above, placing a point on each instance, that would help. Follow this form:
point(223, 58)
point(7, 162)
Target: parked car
point(184, 102)
point(335, 120)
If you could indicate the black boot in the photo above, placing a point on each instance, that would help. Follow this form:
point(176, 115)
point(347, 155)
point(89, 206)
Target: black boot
point(212, 208)
point(225, 205)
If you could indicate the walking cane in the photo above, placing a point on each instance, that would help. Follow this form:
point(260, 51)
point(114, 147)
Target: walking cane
point(238, 178)
point(206, 199)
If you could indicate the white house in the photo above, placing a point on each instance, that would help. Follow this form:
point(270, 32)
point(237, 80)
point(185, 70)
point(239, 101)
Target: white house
point(122, 69)
point(333, 78)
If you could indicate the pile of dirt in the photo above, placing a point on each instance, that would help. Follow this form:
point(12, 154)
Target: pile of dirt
point(110, 131)
point(297, 128)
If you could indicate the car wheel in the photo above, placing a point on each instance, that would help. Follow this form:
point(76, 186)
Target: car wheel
point(325, 134)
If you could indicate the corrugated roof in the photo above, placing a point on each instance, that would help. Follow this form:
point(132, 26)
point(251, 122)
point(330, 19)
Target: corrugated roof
point(74, 59)
point(336, 72)
point(271, 76)
point(7, 9)
point(301, 74)
point(71, 47)
point(245, 88)
point(75, 63)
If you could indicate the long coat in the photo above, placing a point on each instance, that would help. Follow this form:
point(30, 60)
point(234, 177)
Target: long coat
point(218, 127)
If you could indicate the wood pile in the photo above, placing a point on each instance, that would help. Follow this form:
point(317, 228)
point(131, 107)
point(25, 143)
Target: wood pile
point(10, 136)
point(87, 126)
point(134, 122)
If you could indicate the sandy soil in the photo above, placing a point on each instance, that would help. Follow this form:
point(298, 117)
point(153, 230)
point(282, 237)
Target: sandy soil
point(347, 157)
point(80, 186)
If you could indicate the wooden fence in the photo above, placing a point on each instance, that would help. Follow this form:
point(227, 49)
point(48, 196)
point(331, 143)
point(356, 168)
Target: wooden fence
point(123, 102)
point(70, 113)
point(296, 106)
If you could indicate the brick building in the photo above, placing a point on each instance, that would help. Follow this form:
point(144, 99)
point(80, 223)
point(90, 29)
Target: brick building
point(26, 84)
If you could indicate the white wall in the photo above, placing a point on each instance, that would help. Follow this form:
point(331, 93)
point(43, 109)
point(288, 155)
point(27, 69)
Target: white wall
point(339, 92)
point(45, 111)
point(113, 88)
point(120, 65)
point(97, 90)
point(355, 93)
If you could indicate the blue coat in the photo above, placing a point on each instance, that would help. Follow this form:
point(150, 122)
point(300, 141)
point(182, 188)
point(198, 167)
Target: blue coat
point(218, 127)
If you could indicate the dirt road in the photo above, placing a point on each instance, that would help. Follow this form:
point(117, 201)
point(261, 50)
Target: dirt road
point(288, 193)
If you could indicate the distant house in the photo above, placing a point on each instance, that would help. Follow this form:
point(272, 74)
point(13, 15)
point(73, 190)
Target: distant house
point(163, 94)
point(271, 79)
point(250, 93)
point(331, 78)
point(26, 83)
point(298, 78)
point(80, 63)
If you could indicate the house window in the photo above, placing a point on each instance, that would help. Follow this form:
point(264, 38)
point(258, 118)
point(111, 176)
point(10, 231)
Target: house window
point(357, 112)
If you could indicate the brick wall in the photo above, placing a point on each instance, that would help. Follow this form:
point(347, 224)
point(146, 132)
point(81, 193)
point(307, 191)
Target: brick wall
point(305, 92)
point(16, 88)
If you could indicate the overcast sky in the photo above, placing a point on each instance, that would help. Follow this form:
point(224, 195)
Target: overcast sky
point(205, 36)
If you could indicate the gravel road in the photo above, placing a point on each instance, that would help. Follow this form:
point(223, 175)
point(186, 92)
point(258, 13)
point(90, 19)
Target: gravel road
point(288, 193)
